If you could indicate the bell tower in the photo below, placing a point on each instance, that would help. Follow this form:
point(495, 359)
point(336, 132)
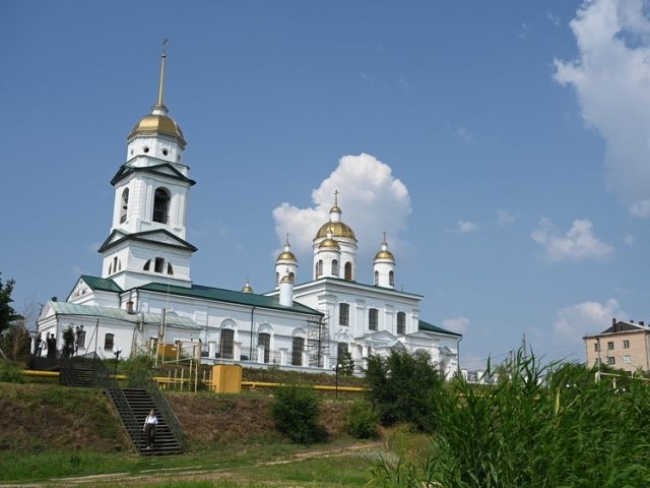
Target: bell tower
point(149, 225)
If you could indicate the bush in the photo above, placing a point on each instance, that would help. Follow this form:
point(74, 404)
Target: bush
point(10, 373)
point(16, 343)
point(404, 388)
point(362, 420)
point(296, 412)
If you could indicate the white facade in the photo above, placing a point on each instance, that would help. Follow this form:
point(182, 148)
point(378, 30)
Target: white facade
point(145, 295)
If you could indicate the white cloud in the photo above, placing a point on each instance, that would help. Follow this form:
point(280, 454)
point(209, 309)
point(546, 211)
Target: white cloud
point(572, 323)
point(463, 227)
point(629, 239)
point(372, 200)
point(505, 218)
point(553, 19)
point(465, 135)
point(611, 77)
point(457, 324)
point(578, 243)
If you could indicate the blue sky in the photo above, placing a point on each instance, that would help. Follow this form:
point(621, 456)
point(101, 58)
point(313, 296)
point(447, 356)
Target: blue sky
point(503, 146)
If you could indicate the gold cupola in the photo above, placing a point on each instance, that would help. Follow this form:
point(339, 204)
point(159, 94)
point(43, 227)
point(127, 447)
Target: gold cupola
point(286, 254)
point(384, 253)
point(329, 242)
point(158, 122)
point(335, 225)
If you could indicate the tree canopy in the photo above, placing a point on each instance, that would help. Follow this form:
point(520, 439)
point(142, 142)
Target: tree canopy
point(7, 313)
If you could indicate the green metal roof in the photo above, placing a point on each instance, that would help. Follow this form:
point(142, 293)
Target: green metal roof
point(229, 296)
point(103, 284)
point(422, 325)
point(95, 311)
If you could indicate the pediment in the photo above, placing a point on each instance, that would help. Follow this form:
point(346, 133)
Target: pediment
point(162, 169)
point(157, 236)
point(80, 289)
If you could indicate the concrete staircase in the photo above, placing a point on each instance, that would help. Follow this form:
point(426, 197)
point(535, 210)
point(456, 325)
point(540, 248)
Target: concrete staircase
point(140, 403)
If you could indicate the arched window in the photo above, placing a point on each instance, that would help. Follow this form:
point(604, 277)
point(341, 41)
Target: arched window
point(335, 268)
point(319, 268)
point(110, 268)
point(391, 278)
point(170, 270)
point(292, 276)
point(344, 314)
point(277, 278)
point(401, 323)
point(348, 271)
point(376, 278)
point(264, 339)
point(227, 345)
point(297, 350)
point(161, 206)
point(125, 205)
point(147, 265)
point(160, 264)
point(373, 319)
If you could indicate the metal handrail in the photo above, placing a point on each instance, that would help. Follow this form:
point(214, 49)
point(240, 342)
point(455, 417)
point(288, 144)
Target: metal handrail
point(147, 382)
point(104, 379)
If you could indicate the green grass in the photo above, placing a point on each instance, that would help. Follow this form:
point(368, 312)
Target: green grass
point(540, 426)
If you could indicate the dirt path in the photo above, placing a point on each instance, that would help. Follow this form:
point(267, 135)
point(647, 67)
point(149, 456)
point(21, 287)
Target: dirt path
point(188, 473)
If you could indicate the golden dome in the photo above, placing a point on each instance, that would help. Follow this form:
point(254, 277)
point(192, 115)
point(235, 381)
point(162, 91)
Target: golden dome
point(154, 124)
point(286, 256)
point(329, 243)
point(247, 288)
point(384, 255)
point(338, 229)
point(288, 278)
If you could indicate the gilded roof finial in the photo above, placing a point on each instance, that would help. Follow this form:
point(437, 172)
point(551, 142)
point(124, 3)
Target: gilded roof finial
point(385, 238)
point(286, 241)
point(161, 85)
point(336, 198)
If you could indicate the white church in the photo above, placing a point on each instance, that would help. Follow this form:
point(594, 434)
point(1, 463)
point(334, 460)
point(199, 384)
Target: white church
point(145, 299)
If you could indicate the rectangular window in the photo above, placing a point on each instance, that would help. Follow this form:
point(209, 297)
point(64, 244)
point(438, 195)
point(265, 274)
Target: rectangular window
point(401, 323)
point(341, 351)
point(373, 319)
point(627, 359)
point(596, 346)
point(344, 314)
point(108, 342)
point(626, 344)
point(598, 362)
point(610, 345)
point(80, 340)
point(227, 345)
point(297, 350)
point(611, 360)
point(265, 341)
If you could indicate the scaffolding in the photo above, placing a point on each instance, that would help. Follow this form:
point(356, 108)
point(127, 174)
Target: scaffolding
point(318, 341)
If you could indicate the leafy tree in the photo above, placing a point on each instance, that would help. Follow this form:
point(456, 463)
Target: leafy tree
point(67, 350)
point(404, 387)
point(8, 315)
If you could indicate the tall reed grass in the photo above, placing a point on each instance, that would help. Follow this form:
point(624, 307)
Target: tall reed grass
point(540, 426)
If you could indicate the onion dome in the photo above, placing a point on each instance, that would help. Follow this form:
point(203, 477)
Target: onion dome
point(329, 242)
point(335, 225)
point(384, 253)
point(286, 254)
point(288, 278)
point(247, 288)
point(158, 122)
